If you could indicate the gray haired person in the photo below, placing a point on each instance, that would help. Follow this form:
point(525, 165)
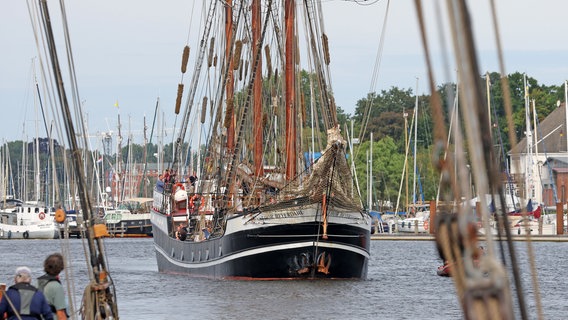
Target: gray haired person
point(24, 301)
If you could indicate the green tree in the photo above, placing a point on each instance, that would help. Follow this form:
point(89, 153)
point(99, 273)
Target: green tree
point(387, 168)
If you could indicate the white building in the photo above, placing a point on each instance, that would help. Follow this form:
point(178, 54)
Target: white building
point(541, 169)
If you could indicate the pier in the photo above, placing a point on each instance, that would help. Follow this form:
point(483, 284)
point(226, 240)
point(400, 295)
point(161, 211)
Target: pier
point(428, 237)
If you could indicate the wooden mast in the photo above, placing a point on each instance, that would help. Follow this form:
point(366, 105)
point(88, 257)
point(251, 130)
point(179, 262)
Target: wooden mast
point(257, 89)
point(289, 16)
point(230, 85)
point(118, 176)
point(144, 181)
point(99, 300)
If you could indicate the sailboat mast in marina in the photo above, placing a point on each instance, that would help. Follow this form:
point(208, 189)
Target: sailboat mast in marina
point(255, 209)
point(99, 301)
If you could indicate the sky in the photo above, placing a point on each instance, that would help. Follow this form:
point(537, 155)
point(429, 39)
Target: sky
point(129, 52)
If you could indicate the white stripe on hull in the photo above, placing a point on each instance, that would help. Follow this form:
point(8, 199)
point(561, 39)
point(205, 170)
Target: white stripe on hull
point(257, 251)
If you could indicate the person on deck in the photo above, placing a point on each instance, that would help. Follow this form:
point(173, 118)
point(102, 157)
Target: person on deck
point(160, 183)
point(192, 180)
point(24, 301)
point(167, 176)
point(51, 287)
point(181, 233)
point(207, 232)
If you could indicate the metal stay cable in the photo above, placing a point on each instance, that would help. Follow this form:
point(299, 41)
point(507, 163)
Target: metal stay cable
point(375, 75)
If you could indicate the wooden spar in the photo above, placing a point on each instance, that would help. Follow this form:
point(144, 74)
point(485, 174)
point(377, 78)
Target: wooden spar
point(289, 16)
point(257, 89)
point(102, 289)
point(144, 178)
point(230, 89)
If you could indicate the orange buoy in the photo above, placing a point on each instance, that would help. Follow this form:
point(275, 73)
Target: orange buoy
point(59, 216)
point(196, 197)
point(178, 186)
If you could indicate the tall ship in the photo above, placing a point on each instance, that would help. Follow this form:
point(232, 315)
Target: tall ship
point(262, 188)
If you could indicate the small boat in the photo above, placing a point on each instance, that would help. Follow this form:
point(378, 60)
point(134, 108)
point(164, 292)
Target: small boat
point(413, 225)
point(73, 225)
point(130, 219)
point(28, 220)
point(11, 229)
point(444, 270)
point(417, 219)
point(545, 225)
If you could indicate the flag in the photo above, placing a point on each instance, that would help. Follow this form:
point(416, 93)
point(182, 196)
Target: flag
point(100, 159)
point(116, 104)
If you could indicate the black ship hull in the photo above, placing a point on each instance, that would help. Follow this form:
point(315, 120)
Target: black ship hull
point(281, 251)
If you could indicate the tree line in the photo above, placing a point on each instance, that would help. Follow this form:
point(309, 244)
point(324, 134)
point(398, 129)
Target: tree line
point(387, 124)
point(384, 111)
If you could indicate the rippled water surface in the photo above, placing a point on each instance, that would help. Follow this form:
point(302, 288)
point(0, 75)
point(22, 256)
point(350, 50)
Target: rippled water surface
point(402, 284)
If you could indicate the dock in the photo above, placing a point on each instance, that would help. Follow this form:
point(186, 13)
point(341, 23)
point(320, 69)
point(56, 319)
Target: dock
point(429, 237)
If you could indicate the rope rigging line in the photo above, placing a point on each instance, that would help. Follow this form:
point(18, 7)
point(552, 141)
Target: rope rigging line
point(512, 137)
point(102, 286)
point(317, 52)
point(374, 77)
point(246, 105)
point(483, 289)
point(194, 83)
point(218, 105)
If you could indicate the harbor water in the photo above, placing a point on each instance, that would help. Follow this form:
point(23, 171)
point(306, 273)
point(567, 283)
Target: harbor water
point(401, 284)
